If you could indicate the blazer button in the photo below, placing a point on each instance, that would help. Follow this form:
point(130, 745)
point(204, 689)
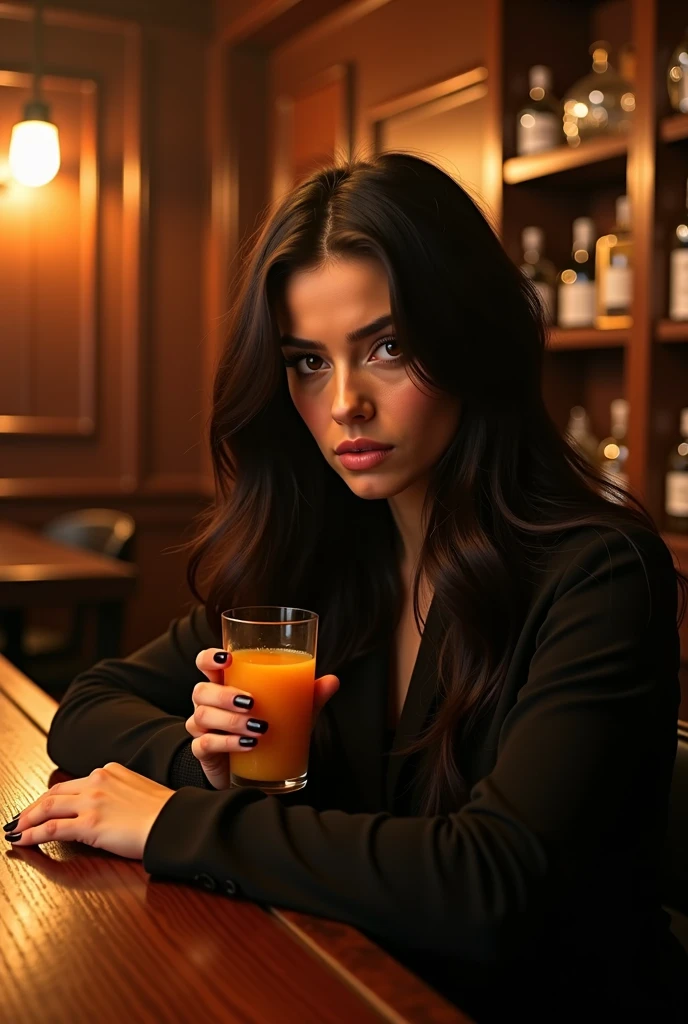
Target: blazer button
point(207, 881)
point(230, 887)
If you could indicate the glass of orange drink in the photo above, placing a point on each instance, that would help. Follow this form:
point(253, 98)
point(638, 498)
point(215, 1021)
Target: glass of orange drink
point(273, 652)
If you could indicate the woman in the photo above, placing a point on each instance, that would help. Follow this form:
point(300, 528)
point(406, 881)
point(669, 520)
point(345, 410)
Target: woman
point(491, 764)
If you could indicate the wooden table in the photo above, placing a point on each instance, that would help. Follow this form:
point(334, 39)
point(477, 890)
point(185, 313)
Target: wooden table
point(86, 935)
point(36, 570)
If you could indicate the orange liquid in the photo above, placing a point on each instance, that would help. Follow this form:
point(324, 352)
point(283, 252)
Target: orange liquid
point(281, 682)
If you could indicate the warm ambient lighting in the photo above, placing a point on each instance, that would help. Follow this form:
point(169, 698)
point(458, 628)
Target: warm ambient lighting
point(34, 156)
point(34, 147)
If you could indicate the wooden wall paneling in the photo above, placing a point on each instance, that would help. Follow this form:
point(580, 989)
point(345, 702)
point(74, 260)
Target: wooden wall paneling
point(313, 125)
point(444, 121)
point(109, 52)
point(48, 280)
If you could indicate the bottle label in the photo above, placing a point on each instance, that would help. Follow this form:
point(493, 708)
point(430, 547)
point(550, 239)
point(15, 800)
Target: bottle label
point(543, 133)
point(676, 503)
point(617, 291)
point(546, 293)
point(577, 304)
point(678, 303)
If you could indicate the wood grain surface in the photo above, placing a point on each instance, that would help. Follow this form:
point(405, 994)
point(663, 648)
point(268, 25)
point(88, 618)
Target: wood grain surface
point(85, 936)
point(168, 959)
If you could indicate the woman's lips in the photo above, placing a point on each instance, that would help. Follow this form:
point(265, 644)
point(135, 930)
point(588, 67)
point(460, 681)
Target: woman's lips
point(364, 460)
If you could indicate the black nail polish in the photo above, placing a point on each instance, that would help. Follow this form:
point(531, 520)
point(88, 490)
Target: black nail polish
point(14, 837)
point(220, 657)
point(247, 741)
point(257, 725)
point(10, 826)
point(241, 701)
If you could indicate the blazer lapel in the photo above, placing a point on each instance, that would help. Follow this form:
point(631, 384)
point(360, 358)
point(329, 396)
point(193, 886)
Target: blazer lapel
point(359, 709)
point(420, 700)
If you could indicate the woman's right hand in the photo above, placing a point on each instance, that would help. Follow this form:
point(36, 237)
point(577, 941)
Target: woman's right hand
point(218, 725)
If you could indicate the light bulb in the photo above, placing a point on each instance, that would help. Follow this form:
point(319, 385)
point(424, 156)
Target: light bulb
point(34, 152)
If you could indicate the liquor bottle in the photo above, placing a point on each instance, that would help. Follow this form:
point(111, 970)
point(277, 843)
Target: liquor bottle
point(613, 450)
point(678, 272)
point(576, 293)
point(579, 434)
point(538, 123)
point(677, 76)
point(614, 284)
point(539, 269)
point(602, 102)
point(676, 483)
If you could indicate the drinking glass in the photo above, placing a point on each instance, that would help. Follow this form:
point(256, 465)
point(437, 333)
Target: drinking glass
point(273, 652)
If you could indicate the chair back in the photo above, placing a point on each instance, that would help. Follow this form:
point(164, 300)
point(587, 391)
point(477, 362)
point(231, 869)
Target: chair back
point(103, 530)
point(675, 864)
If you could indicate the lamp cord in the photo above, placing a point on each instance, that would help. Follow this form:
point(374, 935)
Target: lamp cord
point(37, 49)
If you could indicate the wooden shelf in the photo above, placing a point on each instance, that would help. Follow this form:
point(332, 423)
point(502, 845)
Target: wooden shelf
point(564, 158)
point(673, 128)
point(562, 339)
point(672, 330)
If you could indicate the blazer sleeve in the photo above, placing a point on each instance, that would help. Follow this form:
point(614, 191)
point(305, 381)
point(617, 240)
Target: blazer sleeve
point(132, 710)
point(572, 752)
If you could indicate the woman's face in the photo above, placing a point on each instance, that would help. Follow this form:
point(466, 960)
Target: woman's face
point(347, 389)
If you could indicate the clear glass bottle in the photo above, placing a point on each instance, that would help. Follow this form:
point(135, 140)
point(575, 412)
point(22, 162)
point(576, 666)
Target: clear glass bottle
point(614, 283)
point(613, 450)
point(678, 269)
point(602, 102)
point(538, 123)
point(677, 76)
point(676, 482)
point(580, 435)
point(576, 292)
point(538, 268)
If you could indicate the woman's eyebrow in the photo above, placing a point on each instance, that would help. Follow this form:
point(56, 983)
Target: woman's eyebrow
point(356, 335)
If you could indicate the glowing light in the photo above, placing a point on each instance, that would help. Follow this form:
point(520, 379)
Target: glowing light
point(596, 96)
point(676, 73)
point(537, 92)
point(580, 255)
point(611, 451)
point(683, 448)
point(569, 276)
point(34, 155)
point(527, 120)
point(628, 101)
point(682, 232)
point(580, 109)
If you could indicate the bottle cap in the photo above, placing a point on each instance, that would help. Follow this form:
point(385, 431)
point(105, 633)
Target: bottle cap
point(583, 232)
point(684, 422)
point(532, 238)
point(540, 75)
point(623, 211)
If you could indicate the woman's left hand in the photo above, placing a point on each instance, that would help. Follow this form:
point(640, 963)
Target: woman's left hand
point(112, 809)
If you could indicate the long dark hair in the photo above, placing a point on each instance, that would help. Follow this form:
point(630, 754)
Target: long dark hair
point(468, 322)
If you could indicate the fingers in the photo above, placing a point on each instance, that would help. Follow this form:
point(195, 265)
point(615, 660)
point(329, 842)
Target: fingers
point(325, 687)
point(218, 696)
point(212, 743)
point(57, 830)
point(209, 719)
point(213, 669)
point(49, 806)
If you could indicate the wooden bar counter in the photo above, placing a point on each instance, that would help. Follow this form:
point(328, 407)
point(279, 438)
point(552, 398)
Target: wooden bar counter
point(86, 935)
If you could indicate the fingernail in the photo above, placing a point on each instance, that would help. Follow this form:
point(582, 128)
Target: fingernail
point(220, 657)
point(11, 825)
point(247, 741)
point(14, 837)
point(241, 701)
point(257, 725)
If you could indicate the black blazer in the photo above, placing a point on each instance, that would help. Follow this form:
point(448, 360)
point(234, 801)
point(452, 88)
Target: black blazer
point(538, 894)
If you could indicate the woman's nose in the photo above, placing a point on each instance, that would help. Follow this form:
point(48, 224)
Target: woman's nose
point(350, 402)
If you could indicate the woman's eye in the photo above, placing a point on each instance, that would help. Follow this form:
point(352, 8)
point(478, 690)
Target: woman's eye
point(310, 370)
